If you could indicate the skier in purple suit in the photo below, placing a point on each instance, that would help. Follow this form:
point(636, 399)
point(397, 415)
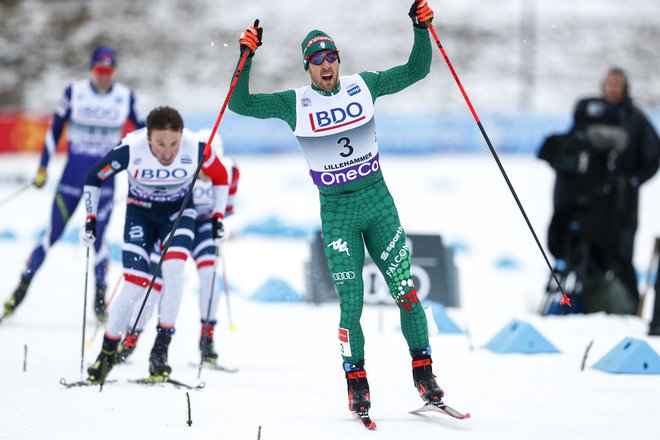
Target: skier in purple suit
point(95, 111)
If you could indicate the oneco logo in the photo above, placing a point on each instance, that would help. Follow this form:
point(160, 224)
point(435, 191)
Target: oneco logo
point(345, 175)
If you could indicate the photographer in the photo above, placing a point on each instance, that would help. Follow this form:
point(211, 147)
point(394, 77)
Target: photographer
point(600, 163)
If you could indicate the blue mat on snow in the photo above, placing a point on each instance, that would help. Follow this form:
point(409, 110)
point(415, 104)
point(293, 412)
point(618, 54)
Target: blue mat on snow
point(273, 226)
point(630, 356)
point(275, 290)
point(520, 337)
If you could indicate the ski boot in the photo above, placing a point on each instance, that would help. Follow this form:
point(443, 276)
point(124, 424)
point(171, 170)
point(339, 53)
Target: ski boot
point(206, 345)
point(358, 387)
point(104, 362)
point(424, 378)
point(17, 297)
point(99, 304)
point(158, 366)
point(124, 351)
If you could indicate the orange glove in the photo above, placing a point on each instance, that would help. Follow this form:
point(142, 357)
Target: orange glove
point(420, 13)
point(251, 38)
point(40, 178)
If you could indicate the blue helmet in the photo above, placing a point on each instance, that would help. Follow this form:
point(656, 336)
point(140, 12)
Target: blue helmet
point(103, 55)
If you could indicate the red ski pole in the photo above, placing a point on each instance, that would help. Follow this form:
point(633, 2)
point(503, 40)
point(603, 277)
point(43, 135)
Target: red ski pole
point(565, 299)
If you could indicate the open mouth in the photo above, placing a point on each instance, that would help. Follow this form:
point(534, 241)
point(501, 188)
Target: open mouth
point(327, 76)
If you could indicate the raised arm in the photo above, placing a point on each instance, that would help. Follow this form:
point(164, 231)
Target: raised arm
point(280, 105)
point(419, 62)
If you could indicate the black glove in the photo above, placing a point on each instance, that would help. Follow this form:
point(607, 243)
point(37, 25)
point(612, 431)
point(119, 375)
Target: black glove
point(420, 14)
point(218, 229)
point(250, 38)
point(88, 233)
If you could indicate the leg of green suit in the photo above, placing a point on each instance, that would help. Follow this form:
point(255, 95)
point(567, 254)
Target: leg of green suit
point(349, 221)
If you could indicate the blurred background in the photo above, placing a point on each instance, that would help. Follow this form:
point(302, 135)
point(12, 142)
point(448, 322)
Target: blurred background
point(523, 62)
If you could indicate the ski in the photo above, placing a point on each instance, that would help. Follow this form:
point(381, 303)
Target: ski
point(82, 383)
point(216, 367)
point(441, 408)
point(363, 417)
point(154, 380)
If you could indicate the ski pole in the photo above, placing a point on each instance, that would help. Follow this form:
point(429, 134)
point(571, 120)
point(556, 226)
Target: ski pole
point(565, 300)
point(130, 339)
point(98, 325)
point(82, 352)
point(208, 308)
point(649, 276)
point(16, 193)
point(225, 286)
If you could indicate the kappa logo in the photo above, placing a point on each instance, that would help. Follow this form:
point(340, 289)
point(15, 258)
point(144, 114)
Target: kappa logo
point(116, 165)
point(340, 246)
point(341, 276)
point(306, 102)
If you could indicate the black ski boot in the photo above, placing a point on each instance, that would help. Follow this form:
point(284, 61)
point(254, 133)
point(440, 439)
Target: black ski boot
point(358, 387)
point(424, 378)
point(17, 297)
point(104, 362)
point(123, 350)
point(158, 365)
point(99, 303)
point(206, 345)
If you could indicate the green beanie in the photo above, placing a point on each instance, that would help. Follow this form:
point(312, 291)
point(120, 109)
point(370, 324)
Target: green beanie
point(316, 41)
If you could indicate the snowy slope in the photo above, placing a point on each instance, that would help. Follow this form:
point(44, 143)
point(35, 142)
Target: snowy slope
point(512, 55)
point(290, 381)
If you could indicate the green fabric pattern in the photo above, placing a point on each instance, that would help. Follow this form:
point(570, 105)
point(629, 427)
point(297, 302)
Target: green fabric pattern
point(369, 217)
point(280, 105)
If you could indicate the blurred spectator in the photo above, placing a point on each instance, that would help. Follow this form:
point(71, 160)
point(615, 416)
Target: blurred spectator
point(600, 163)
point(654, 327)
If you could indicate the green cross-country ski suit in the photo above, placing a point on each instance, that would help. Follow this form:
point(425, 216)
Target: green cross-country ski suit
point(336, 133)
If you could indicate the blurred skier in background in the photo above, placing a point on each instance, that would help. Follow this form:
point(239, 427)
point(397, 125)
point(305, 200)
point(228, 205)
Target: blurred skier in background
point(95, 112)
point(333, 120)
point(204, 254)
point(161, 161)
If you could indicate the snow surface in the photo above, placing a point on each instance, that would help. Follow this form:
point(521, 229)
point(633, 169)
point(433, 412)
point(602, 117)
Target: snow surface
point(290, 381)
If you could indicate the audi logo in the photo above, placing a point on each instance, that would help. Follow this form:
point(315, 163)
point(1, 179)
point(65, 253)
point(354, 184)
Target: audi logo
point(339, 276)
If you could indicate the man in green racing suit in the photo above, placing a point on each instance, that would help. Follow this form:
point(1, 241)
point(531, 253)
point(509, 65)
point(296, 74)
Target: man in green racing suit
point(333, 121)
